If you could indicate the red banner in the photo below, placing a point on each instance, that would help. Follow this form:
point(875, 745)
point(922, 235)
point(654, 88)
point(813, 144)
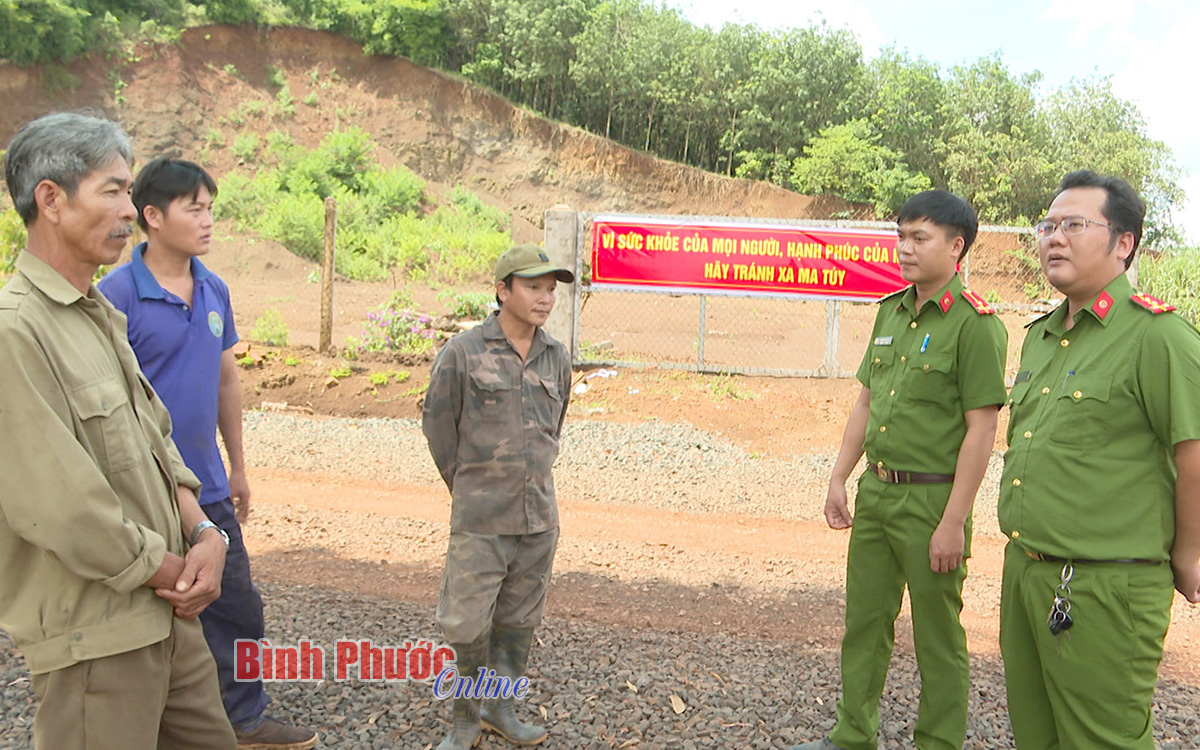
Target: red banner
point(819, 262)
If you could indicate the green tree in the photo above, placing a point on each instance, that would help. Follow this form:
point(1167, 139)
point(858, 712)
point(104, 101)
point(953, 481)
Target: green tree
point(537, 44)
point(33, 31)
point(905, 99)
point(801, 82)
point(603, 70)
point(847, 160)
point(1093, 128)
point(1005, 177)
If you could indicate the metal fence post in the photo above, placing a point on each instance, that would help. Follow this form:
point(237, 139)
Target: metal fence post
point(703, 330)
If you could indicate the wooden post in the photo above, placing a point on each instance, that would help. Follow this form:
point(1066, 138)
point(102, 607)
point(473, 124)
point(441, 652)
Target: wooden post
point(325, 339)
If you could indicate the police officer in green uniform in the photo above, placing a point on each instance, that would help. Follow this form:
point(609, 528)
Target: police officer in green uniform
point(1100, 497)
point(933, 382)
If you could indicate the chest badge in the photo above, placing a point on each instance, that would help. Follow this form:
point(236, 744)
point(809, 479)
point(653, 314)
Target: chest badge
point(883, 341)
point(215, 324)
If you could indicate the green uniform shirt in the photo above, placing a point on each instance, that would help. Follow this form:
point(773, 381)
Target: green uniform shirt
point(925, 368)
point(88, 477)
point(1096, 412)
point(493, 421)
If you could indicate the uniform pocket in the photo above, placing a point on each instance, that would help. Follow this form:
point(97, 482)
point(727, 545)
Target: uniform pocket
point(1020, 389)
point(929, 378)
point(109, 423)
point(493, 396)
point(548, 404)
point(882, 360)
point(1080, 412)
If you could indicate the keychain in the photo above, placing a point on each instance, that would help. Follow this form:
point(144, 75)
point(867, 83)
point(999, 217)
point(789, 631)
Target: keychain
point(1060, 620)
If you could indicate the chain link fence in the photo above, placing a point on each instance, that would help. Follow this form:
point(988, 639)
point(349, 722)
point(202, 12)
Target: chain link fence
point(779, 334)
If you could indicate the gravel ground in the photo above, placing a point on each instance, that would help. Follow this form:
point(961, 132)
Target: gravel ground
point(653, 464)
point(595, 686)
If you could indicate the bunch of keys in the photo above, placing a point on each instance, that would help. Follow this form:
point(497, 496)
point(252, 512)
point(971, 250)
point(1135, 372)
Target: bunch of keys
point(1059, 620)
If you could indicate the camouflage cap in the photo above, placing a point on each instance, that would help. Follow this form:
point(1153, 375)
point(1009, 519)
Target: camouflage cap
point(528, 261)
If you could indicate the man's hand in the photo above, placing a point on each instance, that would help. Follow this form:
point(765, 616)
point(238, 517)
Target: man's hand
point(239, 493)
point(837, 513)
point(946, 547)
point(199, 584)
point(1187, 580)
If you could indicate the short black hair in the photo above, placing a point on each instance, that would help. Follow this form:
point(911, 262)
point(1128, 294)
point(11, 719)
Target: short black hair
point(507, 282)
point(1122, 208)
point(164, 179)
point(946, 210)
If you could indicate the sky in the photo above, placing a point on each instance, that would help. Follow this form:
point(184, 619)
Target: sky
point(1148, 47)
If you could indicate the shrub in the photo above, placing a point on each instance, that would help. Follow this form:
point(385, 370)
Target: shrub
point(395, 329)
point(393, 191)
point(469, 305)
point(380, 228)
point(297, 222)
point(270, 329)
point(245, 147)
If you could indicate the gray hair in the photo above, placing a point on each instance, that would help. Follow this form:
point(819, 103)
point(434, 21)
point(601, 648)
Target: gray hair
point(64, 148)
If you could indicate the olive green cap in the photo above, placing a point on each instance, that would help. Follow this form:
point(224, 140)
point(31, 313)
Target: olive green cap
point(528, 261)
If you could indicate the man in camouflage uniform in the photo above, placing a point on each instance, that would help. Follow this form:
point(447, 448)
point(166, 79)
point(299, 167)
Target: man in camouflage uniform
point(493, 415)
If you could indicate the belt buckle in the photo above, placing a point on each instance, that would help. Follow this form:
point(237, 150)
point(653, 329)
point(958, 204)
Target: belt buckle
point(1034, 555)
point(881, 472)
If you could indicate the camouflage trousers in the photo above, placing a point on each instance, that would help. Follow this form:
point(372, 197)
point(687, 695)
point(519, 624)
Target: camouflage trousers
point(492, 578)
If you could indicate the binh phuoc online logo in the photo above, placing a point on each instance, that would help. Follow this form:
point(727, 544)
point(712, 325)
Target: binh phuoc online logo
point(423, 662)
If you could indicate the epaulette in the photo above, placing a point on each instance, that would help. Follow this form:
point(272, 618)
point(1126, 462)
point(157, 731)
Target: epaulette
point(977, 302)
point(896, 293)
point(1155, 306)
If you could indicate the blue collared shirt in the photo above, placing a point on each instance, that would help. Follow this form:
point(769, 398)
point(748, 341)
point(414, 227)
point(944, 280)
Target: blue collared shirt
point(179, 349)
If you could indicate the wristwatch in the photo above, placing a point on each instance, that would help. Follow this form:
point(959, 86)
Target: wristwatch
point(203, 526)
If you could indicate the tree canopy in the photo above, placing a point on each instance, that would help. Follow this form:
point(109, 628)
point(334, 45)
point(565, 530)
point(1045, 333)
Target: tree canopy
point(797, 107)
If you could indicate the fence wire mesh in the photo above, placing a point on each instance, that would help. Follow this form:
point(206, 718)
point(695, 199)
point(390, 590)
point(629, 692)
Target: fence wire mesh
point(780, 335)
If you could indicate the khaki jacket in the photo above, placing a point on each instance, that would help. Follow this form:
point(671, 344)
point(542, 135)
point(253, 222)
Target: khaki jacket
point(88, 477)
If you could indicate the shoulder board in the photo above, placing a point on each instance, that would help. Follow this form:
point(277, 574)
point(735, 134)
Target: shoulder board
point(1155, 306)
point(977, 302)
point(893, 295)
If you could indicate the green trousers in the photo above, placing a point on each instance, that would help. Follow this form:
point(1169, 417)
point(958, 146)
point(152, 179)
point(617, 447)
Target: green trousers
point(889, 548)
point(1093, 687)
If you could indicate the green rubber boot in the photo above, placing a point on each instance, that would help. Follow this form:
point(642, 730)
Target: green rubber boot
point(464, 734)
point(510, 654)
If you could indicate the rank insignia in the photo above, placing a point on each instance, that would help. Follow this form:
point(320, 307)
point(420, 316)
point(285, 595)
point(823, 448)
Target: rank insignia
point(1155, 306)
point(946, 301)
point(977, 302)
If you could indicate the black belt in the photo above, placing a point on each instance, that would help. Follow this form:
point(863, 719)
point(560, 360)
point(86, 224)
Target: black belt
point(908, 477)
point(1051, 558)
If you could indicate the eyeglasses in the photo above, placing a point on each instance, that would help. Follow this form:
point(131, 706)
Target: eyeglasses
point(1073, 225)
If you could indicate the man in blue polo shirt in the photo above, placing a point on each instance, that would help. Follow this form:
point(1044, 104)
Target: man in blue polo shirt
point(181, 328)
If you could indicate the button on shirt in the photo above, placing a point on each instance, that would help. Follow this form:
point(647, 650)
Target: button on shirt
point(1096, 413)
point(493, 423)
point(925, 368)
point(179, 347)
